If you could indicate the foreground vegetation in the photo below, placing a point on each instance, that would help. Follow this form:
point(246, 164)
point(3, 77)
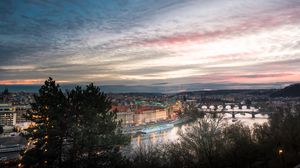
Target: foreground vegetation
point(72, 129)
point(213, 145)
point(76, 129)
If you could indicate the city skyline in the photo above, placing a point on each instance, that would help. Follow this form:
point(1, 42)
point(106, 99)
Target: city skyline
point(139, 42)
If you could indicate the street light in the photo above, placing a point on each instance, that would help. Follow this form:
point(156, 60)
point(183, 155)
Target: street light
point(280, 152)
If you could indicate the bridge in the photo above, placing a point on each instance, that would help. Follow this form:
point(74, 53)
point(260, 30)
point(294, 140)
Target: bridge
point(229, 109)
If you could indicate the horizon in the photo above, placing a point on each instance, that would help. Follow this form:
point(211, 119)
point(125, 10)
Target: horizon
point(162, 89)
point(239, 44)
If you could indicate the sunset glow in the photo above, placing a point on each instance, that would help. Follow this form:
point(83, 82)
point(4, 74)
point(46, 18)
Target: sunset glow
point(146, 42)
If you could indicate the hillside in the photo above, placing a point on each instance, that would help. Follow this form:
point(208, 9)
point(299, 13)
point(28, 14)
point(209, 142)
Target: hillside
point(289, 91)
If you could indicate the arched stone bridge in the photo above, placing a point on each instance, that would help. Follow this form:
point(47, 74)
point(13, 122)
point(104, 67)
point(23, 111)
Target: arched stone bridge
point(230, 109)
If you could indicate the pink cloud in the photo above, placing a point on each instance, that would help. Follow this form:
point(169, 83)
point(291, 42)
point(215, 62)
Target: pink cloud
point(266, 20)
point(231, 77)
point(264, 78)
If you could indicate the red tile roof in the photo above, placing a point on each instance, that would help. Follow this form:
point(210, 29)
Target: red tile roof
point(120, 108)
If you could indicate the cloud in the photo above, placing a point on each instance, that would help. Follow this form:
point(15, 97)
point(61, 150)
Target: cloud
point(147, 42)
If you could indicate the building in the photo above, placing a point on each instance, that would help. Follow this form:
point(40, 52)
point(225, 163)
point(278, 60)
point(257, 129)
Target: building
point(146, 114)
point(124, 114)
point(125, 117)
point(11, 115)
point(140, 114)
point(21, 110)
point(8, 116)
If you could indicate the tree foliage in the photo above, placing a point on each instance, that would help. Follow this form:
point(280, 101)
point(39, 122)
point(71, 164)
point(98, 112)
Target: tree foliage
point(73, 129)
point(282, 133)
point(95, 131)
point(47, 132)
point(203, 141)
point(1, 129)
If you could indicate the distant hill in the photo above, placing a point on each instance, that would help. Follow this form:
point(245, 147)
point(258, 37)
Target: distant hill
point(254, 92)
point(289, 91)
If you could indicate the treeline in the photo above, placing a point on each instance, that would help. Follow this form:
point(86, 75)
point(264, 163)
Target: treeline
point(76, 129)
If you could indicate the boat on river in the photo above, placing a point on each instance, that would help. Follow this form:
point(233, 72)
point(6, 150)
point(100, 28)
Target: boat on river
point(155, 127)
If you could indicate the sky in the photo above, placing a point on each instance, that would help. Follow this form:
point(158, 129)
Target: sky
point(153, 42)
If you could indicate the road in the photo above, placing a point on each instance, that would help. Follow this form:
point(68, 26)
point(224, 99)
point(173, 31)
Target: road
point(10, 141)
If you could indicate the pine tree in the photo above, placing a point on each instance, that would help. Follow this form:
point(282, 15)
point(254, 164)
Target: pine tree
point(76, 129)
point(95, 131)
point(46, 134)
point(1, 129)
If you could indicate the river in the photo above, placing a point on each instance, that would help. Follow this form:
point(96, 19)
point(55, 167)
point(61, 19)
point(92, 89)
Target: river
point(171, 135)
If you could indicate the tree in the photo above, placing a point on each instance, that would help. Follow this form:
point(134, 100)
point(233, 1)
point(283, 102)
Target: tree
point(1, 129)
point(148, 156)
point(281, 133)
point(46, 135)
point(95, 133)
point(240, 149)
point(76, 129)
point(204, 142)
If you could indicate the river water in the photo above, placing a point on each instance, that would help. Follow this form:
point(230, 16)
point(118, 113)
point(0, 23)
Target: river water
point(171, 135)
